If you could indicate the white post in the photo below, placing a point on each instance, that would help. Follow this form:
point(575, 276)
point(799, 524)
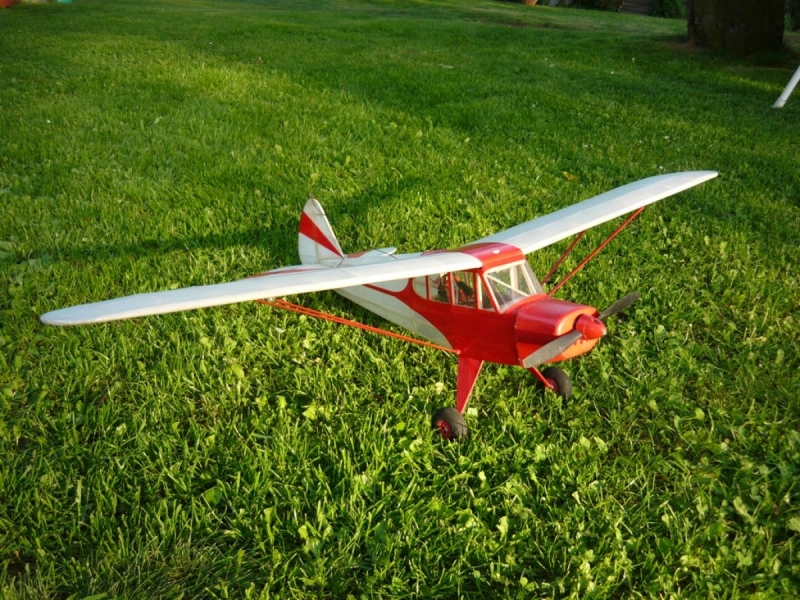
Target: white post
point(788, 90)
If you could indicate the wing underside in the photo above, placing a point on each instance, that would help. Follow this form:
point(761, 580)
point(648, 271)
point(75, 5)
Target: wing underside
point(281, 282)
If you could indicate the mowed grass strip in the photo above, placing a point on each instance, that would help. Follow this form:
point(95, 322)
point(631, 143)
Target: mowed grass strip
point(245, 452)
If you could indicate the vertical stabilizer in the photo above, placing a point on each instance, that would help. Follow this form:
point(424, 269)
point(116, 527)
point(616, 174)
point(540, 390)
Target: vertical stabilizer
point(317, 242)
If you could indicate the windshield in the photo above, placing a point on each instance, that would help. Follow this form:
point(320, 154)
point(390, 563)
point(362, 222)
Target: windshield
point(510, 284)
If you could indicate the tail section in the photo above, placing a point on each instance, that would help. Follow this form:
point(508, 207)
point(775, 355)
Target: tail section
point(317, 242)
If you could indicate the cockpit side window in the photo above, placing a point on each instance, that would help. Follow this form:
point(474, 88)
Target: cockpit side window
point(434, 287)
point(507, 285)
point(439, 287)
point(484, 297)
point(421, 286)
point(464, 288)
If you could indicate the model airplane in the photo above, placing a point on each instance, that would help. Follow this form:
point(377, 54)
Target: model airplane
point(480, 301)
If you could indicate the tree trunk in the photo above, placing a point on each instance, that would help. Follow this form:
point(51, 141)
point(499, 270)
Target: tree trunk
point(740, 27)
point(793, 10)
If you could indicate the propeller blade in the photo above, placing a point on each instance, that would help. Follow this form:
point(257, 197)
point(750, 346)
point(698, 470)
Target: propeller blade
point(551, 349)
point(618, 306)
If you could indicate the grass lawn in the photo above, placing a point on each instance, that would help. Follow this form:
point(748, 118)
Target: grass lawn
point(246, 452)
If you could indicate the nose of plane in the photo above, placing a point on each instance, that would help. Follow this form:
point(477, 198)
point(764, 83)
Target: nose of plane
point(544, 320)
point(591, 327)
point(554, 330)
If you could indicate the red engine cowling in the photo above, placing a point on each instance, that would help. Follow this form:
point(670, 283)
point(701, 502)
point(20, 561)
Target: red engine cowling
point(544, 319)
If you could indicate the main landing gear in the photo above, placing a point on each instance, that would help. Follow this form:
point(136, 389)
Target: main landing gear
point(554, 379)
point(450, 423)
point(559, 380)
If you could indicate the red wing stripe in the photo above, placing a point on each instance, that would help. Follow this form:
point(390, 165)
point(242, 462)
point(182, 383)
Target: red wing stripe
point(309, 229)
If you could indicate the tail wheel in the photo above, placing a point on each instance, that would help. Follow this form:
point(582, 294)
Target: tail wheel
point(562, 386)
point(450, 423)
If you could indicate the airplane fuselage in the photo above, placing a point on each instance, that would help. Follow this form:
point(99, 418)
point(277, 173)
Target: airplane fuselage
point(495, 313)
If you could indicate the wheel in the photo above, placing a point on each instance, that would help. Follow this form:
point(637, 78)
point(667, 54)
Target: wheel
point(562, 386)
point(449, 423)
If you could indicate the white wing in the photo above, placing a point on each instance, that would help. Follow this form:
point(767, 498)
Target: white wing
point(380, 266)
point(551, 228)
point(281, 282)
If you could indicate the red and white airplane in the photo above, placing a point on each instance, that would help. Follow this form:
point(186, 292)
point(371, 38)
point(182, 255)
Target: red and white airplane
point(481, 301)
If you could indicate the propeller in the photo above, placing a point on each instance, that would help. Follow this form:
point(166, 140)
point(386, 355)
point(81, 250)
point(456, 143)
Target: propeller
point(618, 306)
point(585, 326)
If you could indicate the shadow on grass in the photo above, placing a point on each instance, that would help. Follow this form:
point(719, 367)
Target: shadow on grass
point(277, 240)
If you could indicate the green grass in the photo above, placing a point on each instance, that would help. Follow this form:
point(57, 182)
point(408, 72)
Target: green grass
point(246, 452)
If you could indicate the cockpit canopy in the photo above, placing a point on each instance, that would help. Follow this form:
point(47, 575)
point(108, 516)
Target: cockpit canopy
point(497, 289)
point(511, 283)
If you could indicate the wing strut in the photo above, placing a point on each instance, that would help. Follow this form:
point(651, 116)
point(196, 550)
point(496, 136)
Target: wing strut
point(310, 312)
point(594, 252)
point(564, 256)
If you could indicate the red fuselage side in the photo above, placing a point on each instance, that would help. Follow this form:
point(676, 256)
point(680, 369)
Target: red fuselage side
point(500, 337)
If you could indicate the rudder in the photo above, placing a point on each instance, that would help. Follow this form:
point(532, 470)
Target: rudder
point(316, 241)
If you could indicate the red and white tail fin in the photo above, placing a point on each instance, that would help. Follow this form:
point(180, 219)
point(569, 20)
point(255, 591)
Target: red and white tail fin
point(317, 242)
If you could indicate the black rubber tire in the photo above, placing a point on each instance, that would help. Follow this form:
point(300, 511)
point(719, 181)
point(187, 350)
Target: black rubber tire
point(450, 423)
point(562, 386)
